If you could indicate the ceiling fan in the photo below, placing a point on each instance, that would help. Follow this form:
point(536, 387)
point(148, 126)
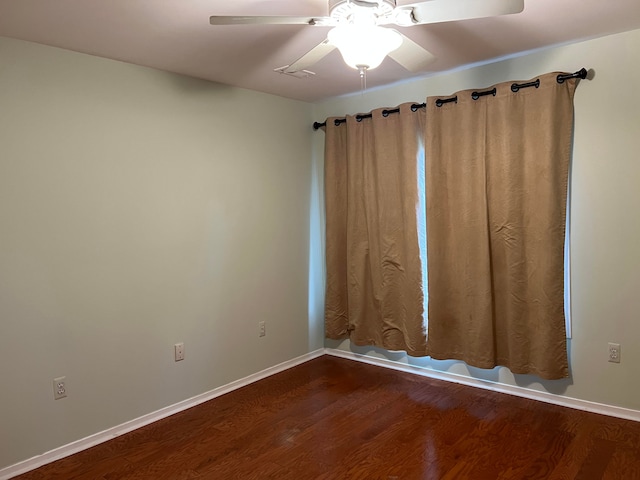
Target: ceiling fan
point(360, 34)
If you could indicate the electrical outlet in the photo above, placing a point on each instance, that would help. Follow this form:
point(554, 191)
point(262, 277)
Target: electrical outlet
point(263, 329)
point(178, 351)
point(614, 352)
point(59, 388)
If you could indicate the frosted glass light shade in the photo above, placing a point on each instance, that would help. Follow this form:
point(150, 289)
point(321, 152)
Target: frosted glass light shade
point(364, 45)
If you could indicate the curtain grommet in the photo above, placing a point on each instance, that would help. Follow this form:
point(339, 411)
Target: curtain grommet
point(517, 86)
point(442, 101)
point(476, 95)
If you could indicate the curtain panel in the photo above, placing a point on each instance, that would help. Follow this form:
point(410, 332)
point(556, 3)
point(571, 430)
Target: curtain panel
point(374, 290)
point(496, 173)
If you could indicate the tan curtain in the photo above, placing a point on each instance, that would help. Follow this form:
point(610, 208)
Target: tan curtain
point(374, 275)
point(497, 171)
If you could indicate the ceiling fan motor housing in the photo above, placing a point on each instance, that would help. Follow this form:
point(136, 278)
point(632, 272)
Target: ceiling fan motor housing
point(343, 11)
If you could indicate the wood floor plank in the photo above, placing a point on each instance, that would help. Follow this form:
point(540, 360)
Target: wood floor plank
point(624, 464)
point(334, 419)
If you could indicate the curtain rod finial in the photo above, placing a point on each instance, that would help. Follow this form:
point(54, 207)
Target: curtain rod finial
point(582, 73)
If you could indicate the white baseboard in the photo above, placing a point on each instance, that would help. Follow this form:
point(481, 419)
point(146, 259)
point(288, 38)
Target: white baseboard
point(95, 439)
point(576, 403)
point(92, 440)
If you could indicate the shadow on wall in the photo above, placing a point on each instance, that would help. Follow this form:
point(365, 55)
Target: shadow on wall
point(496, 375)
point(195, 86)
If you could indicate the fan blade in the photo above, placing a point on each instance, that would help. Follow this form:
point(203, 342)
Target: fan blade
point(435, 11)
point(269, 20)
point(313, 56)
point(411, 55)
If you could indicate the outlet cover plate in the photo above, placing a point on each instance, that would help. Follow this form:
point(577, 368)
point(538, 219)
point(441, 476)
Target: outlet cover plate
point(178, 351)
point(614, 352)
point(59, 388)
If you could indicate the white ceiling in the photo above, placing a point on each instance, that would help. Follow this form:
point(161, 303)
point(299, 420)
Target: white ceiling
point(175, 35)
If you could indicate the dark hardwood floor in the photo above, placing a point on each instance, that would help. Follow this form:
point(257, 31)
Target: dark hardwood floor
point(332, 418)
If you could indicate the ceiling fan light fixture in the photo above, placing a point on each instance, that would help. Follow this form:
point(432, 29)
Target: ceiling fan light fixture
point(364, 46)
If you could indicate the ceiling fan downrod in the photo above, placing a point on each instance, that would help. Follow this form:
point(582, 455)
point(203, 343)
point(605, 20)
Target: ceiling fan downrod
point(354, 11)
point(362, 69)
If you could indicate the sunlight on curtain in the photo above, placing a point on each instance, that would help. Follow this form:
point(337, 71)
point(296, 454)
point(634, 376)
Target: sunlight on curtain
point(422, 227)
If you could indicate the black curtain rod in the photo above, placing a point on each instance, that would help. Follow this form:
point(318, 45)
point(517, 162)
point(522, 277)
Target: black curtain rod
point(385, 113)
point(582, 73)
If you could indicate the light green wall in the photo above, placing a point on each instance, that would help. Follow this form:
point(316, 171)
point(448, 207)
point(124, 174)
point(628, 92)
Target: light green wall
point(605, 193)
point(139, 209)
